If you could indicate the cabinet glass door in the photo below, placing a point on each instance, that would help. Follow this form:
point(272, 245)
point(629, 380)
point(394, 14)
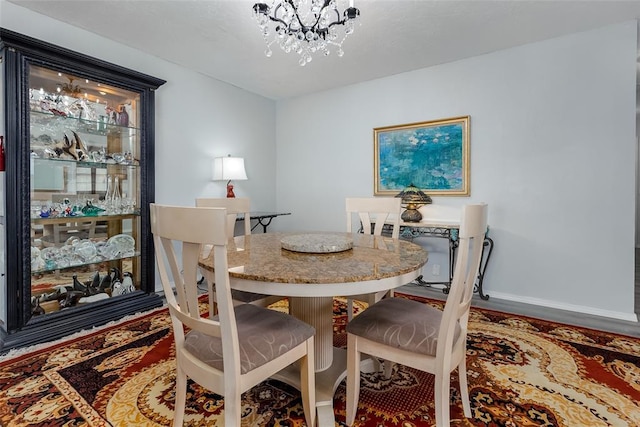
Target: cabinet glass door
point(84, 190)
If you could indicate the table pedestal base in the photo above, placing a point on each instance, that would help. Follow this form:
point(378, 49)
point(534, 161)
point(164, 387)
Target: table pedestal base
point(327, 382)
point(318, 312)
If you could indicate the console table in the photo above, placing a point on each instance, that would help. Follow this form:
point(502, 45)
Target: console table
point(263, 218)
point(434, 224)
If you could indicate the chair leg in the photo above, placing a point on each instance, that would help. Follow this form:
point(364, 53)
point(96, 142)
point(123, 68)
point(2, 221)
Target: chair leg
point(180, 398)
point(308, 385)
point(232, 408)
point(388, 369)
point(443, 380)
point(464, 388)
point(349, 309)
point(353, 379)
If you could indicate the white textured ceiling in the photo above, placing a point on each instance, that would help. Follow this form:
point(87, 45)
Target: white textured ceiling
point(219, 38)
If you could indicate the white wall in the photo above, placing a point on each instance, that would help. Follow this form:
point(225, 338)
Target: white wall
point(197, 118)
point(552, 152)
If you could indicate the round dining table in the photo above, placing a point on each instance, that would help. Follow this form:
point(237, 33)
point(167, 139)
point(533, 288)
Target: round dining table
point(311, 269)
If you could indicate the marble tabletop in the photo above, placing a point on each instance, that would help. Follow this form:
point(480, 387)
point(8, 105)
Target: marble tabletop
point(260, 258)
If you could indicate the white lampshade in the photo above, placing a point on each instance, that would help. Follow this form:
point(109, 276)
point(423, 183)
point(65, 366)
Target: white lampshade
point(228, 168)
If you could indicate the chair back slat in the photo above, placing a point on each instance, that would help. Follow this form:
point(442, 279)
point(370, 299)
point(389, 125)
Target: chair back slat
point(234, 206)
point(374, 210)
point(473, 226)
point(173, 275)
point(190, 253)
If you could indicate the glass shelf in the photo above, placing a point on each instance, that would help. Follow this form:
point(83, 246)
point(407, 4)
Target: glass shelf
point(80, 265)
point(58, 124)
point(84, 218)
point(88, 164)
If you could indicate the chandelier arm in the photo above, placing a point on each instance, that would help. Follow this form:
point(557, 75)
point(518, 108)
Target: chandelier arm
point(303, 27)
point(336, 23)
point(314, 27)
point(275, 12)
point(344, 20)
point(274, 19)
point(321, 32)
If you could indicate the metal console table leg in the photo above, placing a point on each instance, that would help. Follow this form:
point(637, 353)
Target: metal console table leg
point(409, 233)
point(263, 221)
point(488, 243)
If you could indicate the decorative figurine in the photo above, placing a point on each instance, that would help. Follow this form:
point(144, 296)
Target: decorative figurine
point(70, 299)
point(77, 286)
point(117, 288)
point(127, 283)
point(36, 310)
point(68, 147)
point(91, 210)
point(123, 116)
point(80, 148)
point(105, 283)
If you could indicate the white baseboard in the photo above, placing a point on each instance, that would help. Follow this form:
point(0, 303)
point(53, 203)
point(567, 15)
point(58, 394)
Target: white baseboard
point(629, 317)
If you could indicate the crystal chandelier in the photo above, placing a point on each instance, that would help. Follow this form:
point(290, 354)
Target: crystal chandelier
point(303, 28)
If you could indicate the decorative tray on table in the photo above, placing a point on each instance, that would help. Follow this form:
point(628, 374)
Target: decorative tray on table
point(317, 243)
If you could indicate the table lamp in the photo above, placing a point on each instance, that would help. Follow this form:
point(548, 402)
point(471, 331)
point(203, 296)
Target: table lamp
point(227, 169)
point(412, 197)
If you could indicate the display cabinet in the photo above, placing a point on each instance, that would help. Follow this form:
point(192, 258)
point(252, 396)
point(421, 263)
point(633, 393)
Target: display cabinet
point(79, 180)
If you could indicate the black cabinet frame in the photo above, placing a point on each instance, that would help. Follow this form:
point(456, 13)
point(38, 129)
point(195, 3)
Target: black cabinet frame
point(18, 53)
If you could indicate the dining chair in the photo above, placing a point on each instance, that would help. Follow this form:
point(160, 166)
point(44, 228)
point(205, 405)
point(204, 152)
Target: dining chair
point(421, 336)
point(373, 214)
point(242, 345)
point(235, 206)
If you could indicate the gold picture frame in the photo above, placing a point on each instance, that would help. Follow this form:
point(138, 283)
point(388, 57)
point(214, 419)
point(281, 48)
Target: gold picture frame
point(432, 155)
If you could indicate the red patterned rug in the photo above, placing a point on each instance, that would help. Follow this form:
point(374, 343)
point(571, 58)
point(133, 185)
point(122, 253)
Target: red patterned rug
point(522, 372)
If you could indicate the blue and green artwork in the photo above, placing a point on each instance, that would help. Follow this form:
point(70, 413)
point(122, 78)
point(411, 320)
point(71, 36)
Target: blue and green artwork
point(432, 157)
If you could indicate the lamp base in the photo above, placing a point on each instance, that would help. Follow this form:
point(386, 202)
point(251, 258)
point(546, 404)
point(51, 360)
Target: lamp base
point(411, 215)
point(230, 192)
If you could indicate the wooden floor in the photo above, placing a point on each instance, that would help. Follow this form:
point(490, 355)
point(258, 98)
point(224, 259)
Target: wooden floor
point(568, 317)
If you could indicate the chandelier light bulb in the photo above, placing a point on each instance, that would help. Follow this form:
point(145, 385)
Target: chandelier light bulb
point(306, 26)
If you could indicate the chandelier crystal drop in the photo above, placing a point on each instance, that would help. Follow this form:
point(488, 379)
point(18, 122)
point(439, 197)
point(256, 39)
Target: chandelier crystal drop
point(305, 27)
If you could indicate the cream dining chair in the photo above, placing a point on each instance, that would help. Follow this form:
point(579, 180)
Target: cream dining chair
point(372, 213)
point(418, 335)
point(243, 345)
point(235, 206)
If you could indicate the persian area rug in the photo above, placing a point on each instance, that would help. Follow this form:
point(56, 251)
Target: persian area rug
point(522, 372)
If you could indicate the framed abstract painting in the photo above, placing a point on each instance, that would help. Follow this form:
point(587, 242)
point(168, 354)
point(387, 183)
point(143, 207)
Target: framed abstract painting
point(433, 156)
